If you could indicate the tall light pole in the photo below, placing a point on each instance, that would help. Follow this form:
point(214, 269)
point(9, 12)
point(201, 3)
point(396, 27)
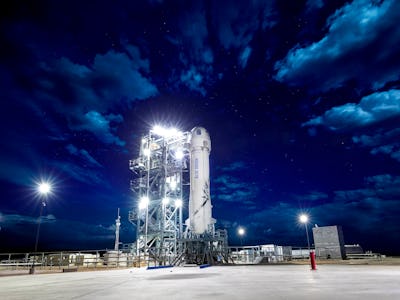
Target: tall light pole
point(303, 218)
point(241, 232)
point(43, 188)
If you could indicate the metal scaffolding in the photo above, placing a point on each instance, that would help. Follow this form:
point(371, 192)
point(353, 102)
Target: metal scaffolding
point(160, 177)
point(161, 184)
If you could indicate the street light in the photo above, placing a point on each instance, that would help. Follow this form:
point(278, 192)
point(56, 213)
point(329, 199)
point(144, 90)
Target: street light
point(241, 232)
point(303, 218)
point(43, 188)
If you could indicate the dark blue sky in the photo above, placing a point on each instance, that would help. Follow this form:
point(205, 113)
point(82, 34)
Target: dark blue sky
point(301, 99)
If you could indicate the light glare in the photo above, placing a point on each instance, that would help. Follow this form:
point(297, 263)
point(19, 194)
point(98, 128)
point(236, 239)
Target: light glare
point(166, 132)
point(44, 188)
point(241, 231)
point(303, 218)
point(144, 201)
point(173, 185)
point(165, 201)
point(146, 152)
point(178, 203)
point(179, 154)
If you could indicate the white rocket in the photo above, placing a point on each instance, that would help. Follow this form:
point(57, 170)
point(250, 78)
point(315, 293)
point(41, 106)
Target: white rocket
point(200, 217)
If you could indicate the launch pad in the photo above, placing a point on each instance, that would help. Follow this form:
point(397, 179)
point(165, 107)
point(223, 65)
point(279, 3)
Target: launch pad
point(219, 282)
point(172, 183)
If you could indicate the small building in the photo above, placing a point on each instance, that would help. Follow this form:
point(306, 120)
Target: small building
point(329, 242)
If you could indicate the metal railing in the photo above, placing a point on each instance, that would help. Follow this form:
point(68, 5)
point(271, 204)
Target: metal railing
point(64, 260)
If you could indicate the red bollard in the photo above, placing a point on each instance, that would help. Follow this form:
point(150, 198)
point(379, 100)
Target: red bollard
point(312, 260)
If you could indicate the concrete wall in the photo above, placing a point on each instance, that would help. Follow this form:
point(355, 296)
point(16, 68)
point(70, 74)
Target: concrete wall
point(329, 242)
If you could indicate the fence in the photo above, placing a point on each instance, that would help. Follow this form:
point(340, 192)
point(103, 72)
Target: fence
point(265, 254)
point(64, 260)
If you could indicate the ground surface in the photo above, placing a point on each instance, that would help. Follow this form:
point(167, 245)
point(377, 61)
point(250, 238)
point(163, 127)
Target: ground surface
point(229, 282)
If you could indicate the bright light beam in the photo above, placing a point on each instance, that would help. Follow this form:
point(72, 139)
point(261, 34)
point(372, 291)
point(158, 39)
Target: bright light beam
point(303, 218)
point(44, 188)
point(144, 201)
point(241, 231)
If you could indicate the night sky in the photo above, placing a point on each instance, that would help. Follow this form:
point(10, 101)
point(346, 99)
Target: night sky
point(301, 100)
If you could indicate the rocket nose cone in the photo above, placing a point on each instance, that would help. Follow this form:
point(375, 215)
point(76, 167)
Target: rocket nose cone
point(199, 131)
point(200, 138)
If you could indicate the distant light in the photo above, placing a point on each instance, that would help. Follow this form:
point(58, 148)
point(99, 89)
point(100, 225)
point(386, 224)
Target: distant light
point(241, 231)
point(179, 154)
point(44, 188)
point(178, 203)
point(146, 152)
point(144, 201)
point(165, 201)
point(303, 218)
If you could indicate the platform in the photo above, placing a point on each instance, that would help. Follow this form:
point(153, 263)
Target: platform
point(216, 282)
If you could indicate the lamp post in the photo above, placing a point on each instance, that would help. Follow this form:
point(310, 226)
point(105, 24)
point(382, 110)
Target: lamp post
point(241, 232)
point(303, 218)
point(43, 188)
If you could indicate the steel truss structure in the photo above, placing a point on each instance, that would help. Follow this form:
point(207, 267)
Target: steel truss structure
point(159, 181)
point(161, 185)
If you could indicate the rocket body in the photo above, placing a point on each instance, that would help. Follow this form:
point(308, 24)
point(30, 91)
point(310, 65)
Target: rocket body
point(200, 217)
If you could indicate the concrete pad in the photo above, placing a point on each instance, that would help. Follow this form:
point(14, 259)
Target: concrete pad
point(222, 282)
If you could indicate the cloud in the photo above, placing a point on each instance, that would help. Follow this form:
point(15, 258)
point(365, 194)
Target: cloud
point(381, 143)
point(79, 172)
point(312, 196)
point(193, 80)
point(392, 150)
point(378, 189)
point(232, 189)
point(195, 54)
point(361, 44)
point(244, 56)
point(99, 125)
point(12, 219)
point(360, 211)
point(314, 4)
point(372, 109)
point(234, 166)
point(193, 26)
point(237, 21)
point(81, 234)
point(86, 94)
point(83, 154)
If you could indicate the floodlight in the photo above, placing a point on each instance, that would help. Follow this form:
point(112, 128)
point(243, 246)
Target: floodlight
point(44, 188)
point(173, 185)
point(146, 152)
point(178, 203)
point(165, 201)
point(171, 132)
point(144, 201)
point(241, 231)
point(303, 218)
point(166, 132)
point(159, 130)
point(179, 154)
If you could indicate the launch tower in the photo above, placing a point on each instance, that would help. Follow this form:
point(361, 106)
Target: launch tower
point(171, 175)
